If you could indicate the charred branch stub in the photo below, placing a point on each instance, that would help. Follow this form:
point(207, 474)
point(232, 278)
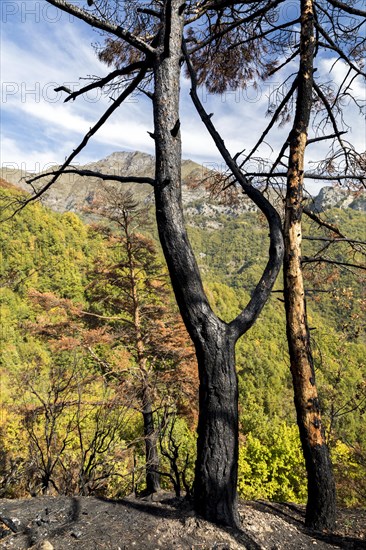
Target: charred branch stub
point(174, 131)
point(63, 89)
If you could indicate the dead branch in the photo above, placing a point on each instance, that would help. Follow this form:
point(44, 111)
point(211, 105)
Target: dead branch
point(275, 116)
point(247, 317)
point(322, 138)
point(125, 94)
point(334, 240)
point(97, 23)
point(101, 82)
point(323, 259)
point(105, 177)
point(347, 8)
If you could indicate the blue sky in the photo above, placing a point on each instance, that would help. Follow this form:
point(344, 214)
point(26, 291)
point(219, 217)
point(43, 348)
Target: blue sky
point(42, 48)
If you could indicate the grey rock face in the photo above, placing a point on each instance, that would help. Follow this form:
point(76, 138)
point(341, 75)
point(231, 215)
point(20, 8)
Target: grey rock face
point(335, 197)
point(74, 193)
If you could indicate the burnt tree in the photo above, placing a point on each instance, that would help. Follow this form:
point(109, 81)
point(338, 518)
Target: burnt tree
point(243, 44)
point(153, 54)
point(321, 503)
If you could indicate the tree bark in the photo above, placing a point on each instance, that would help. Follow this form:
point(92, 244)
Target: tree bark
point(151, 449)
point(216, 467)
point(215, 492)
point(320, 510)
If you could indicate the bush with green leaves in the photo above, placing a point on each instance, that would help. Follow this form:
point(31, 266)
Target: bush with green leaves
point(272, 469)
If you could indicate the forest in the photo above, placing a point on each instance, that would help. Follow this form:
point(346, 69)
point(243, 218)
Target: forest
point(93, 350)
point(222, 358)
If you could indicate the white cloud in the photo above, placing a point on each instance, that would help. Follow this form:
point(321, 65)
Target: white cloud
point(38, 58)
point(27, 159)
point(38, 55)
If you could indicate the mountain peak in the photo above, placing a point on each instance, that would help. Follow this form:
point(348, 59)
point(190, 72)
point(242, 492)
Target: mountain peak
point(72, 192)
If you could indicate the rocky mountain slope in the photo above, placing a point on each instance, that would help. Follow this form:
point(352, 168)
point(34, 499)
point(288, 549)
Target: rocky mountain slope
point(335, 197)
point(74, 193)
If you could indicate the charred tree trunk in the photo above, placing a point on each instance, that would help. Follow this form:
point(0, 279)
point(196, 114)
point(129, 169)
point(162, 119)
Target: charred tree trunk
point(215, 493)
point(151, 449)
point(320, 511)
point(215, 480)
point(216, 472)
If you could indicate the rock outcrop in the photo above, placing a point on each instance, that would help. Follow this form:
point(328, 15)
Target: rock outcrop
point(74, 193)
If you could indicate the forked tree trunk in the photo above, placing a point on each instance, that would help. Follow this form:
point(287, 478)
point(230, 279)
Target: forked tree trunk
point(215, 479)
point(215, 485)
point(320, 510)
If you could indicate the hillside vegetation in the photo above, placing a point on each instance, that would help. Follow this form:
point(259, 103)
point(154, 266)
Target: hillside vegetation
point(70, 383)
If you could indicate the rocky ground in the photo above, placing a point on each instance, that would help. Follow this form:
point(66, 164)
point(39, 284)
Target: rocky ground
point(88, 523)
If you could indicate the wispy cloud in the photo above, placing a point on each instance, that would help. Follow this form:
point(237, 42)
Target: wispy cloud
point(43, 48)
point(39, 54)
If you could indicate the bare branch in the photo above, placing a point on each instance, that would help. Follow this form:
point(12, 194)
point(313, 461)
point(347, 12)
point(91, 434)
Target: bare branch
point(263, 289)
point(93, 21)
point(104, 177)
point(328, 108)
point(322, 138)
point(275, 116)
point(322, 259)
point(323, 223)
point(333, 46)
point(347, 8)
point(100, 83)
point(128, 90)
point(286, 62)
point(265, 33)
point(240, 21)
point(307, 175)
point(334, 240)
point(149, 11)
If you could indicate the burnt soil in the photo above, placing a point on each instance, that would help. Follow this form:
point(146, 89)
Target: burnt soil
point(88, 523)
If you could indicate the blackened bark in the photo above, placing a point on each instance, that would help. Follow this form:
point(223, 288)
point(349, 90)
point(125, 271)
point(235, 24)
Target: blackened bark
point(216, 467)
point(320, 510)
point(215, 494)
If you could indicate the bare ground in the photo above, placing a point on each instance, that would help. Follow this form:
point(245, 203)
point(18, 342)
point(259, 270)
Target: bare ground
point(90, 523)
